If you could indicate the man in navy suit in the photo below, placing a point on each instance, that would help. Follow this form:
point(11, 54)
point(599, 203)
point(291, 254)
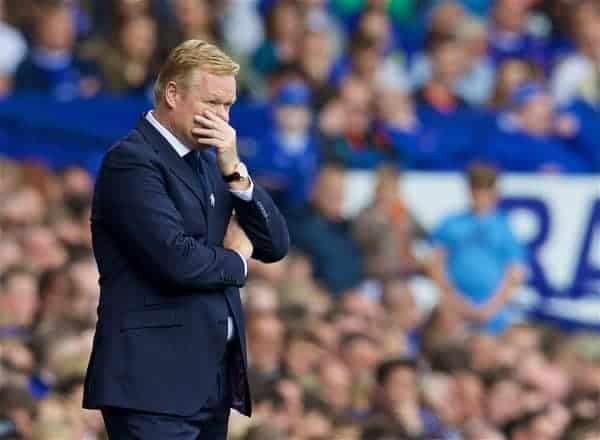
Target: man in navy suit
point(175, 218)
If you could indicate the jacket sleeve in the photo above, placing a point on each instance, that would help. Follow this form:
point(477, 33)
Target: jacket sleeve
point(264, 225)
point(136, 208)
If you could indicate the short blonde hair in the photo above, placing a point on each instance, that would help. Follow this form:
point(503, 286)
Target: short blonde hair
point(190, 55)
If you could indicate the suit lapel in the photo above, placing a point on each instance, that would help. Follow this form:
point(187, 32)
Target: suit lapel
point(176, 164)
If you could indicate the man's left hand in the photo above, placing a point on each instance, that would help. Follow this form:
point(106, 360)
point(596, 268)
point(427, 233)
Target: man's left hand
point(215, 131)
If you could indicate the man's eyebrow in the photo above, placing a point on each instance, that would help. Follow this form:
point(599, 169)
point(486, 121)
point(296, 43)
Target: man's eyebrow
point(219, 99)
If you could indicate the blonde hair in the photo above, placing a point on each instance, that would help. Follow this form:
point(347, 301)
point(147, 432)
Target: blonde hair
point(190, 55)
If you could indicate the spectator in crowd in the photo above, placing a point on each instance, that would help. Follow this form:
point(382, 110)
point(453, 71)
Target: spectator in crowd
point(477, 261)
point(193, 19)
point(347, 128)
point(533, 125)
point(399, 401)
point(243, 29)
point(474, 83)
point(128, 66)
point(511, 36)
point(399, 301)
point(316, 58)
point(53, 65)
point(284, 27)
point(320, 230)
point(111, 14)
point(265, 347)
point(286, 164)
point(477, 82)
point(14, 50)
point(386, 231)
point(397, 123)
point(334, 385)
point(511, 74)
point(19, 300)
point(575, 76)
point(319, 17)
point(375, 26)
point(17, 412)
point(444, 116)
point(581, 122)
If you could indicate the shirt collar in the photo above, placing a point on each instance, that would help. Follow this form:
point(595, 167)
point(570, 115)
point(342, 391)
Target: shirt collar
point(177, 145)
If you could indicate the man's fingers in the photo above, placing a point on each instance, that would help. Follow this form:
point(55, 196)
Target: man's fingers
point(207, 133)
point(218, 143)
point(214, 117)
point(210, 123)
point(210, 119)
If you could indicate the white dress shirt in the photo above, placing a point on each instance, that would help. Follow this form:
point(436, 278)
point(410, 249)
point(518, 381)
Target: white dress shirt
point(245, 195)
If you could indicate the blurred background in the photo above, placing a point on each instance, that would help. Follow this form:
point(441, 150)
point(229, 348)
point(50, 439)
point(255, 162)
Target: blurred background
point(437, 161)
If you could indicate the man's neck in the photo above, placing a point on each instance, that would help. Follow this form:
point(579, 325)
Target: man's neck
point(165, 121)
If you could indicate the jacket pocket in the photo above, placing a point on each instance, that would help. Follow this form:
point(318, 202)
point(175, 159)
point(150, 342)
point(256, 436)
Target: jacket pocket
point(151, 318)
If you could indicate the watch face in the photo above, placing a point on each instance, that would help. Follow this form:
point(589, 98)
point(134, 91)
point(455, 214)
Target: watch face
point(240, 173)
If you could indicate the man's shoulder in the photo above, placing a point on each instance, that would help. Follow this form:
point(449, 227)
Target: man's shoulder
point(132, 147)
point(457, 218)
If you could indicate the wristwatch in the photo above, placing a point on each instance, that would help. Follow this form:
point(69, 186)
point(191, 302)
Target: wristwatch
point(239, 173)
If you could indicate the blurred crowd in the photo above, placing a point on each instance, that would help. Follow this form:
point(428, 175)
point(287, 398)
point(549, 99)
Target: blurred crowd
point(340, 344)
point(427, 85)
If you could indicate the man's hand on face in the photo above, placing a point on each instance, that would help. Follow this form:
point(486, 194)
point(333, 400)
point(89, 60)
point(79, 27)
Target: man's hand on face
point(215, 131)
point(237, 240)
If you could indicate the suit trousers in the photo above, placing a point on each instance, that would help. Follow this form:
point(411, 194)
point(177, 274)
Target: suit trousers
point(209, 423)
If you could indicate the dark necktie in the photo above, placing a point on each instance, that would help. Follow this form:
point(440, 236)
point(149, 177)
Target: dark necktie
point(194, 160)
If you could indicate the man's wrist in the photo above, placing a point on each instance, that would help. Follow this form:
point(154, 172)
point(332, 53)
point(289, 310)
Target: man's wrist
point(238, 173)
point(240, 185)
point(230, 168)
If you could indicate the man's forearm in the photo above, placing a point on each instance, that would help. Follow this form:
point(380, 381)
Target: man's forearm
point(513, 277)
point(264, 225)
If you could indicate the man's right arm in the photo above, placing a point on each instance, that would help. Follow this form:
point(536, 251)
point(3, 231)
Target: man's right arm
point(138, 211)
point(436, 270)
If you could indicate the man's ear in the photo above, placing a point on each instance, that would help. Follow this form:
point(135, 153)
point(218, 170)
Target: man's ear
point(171, 94)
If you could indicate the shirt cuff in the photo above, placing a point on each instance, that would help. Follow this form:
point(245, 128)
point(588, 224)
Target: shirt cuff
point(243, 261)
point(245, 195)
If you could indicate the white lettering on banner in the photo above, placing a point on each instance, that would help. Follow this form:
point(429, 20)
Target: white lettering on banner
point(558, 217)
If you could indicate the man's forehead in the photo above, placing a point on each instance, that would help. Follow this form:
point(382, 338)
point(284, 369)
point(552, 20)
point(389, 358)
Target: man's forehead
point(222, 87)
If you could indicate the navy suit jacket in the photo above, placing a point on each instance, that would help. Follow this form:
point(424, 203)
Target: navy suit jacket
point(167, 284)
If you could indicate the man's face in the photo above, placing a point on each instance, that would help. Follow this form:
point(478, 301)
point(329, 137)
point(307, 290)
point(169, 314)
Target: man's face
point(138, 38)
point(401, 386)
point(336, 382)
point(56, 30)
point(329, 194)
point(203, 91)
point(191, 15)
point(21, 292)
point(537, 114)
point(293, 118)
point(265, 342)
point(484, 199)
point(504, 401)
point(449, 62)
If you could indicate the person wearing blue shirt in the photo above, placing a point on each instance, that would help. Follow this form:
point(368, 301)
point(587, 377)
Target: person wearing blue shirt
point(286, 160)
point(319, 230)
point(511, 37)
point(477, 261)
point(52, 67)
point(527, 137)
point(585, 138)
point(448, 124)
